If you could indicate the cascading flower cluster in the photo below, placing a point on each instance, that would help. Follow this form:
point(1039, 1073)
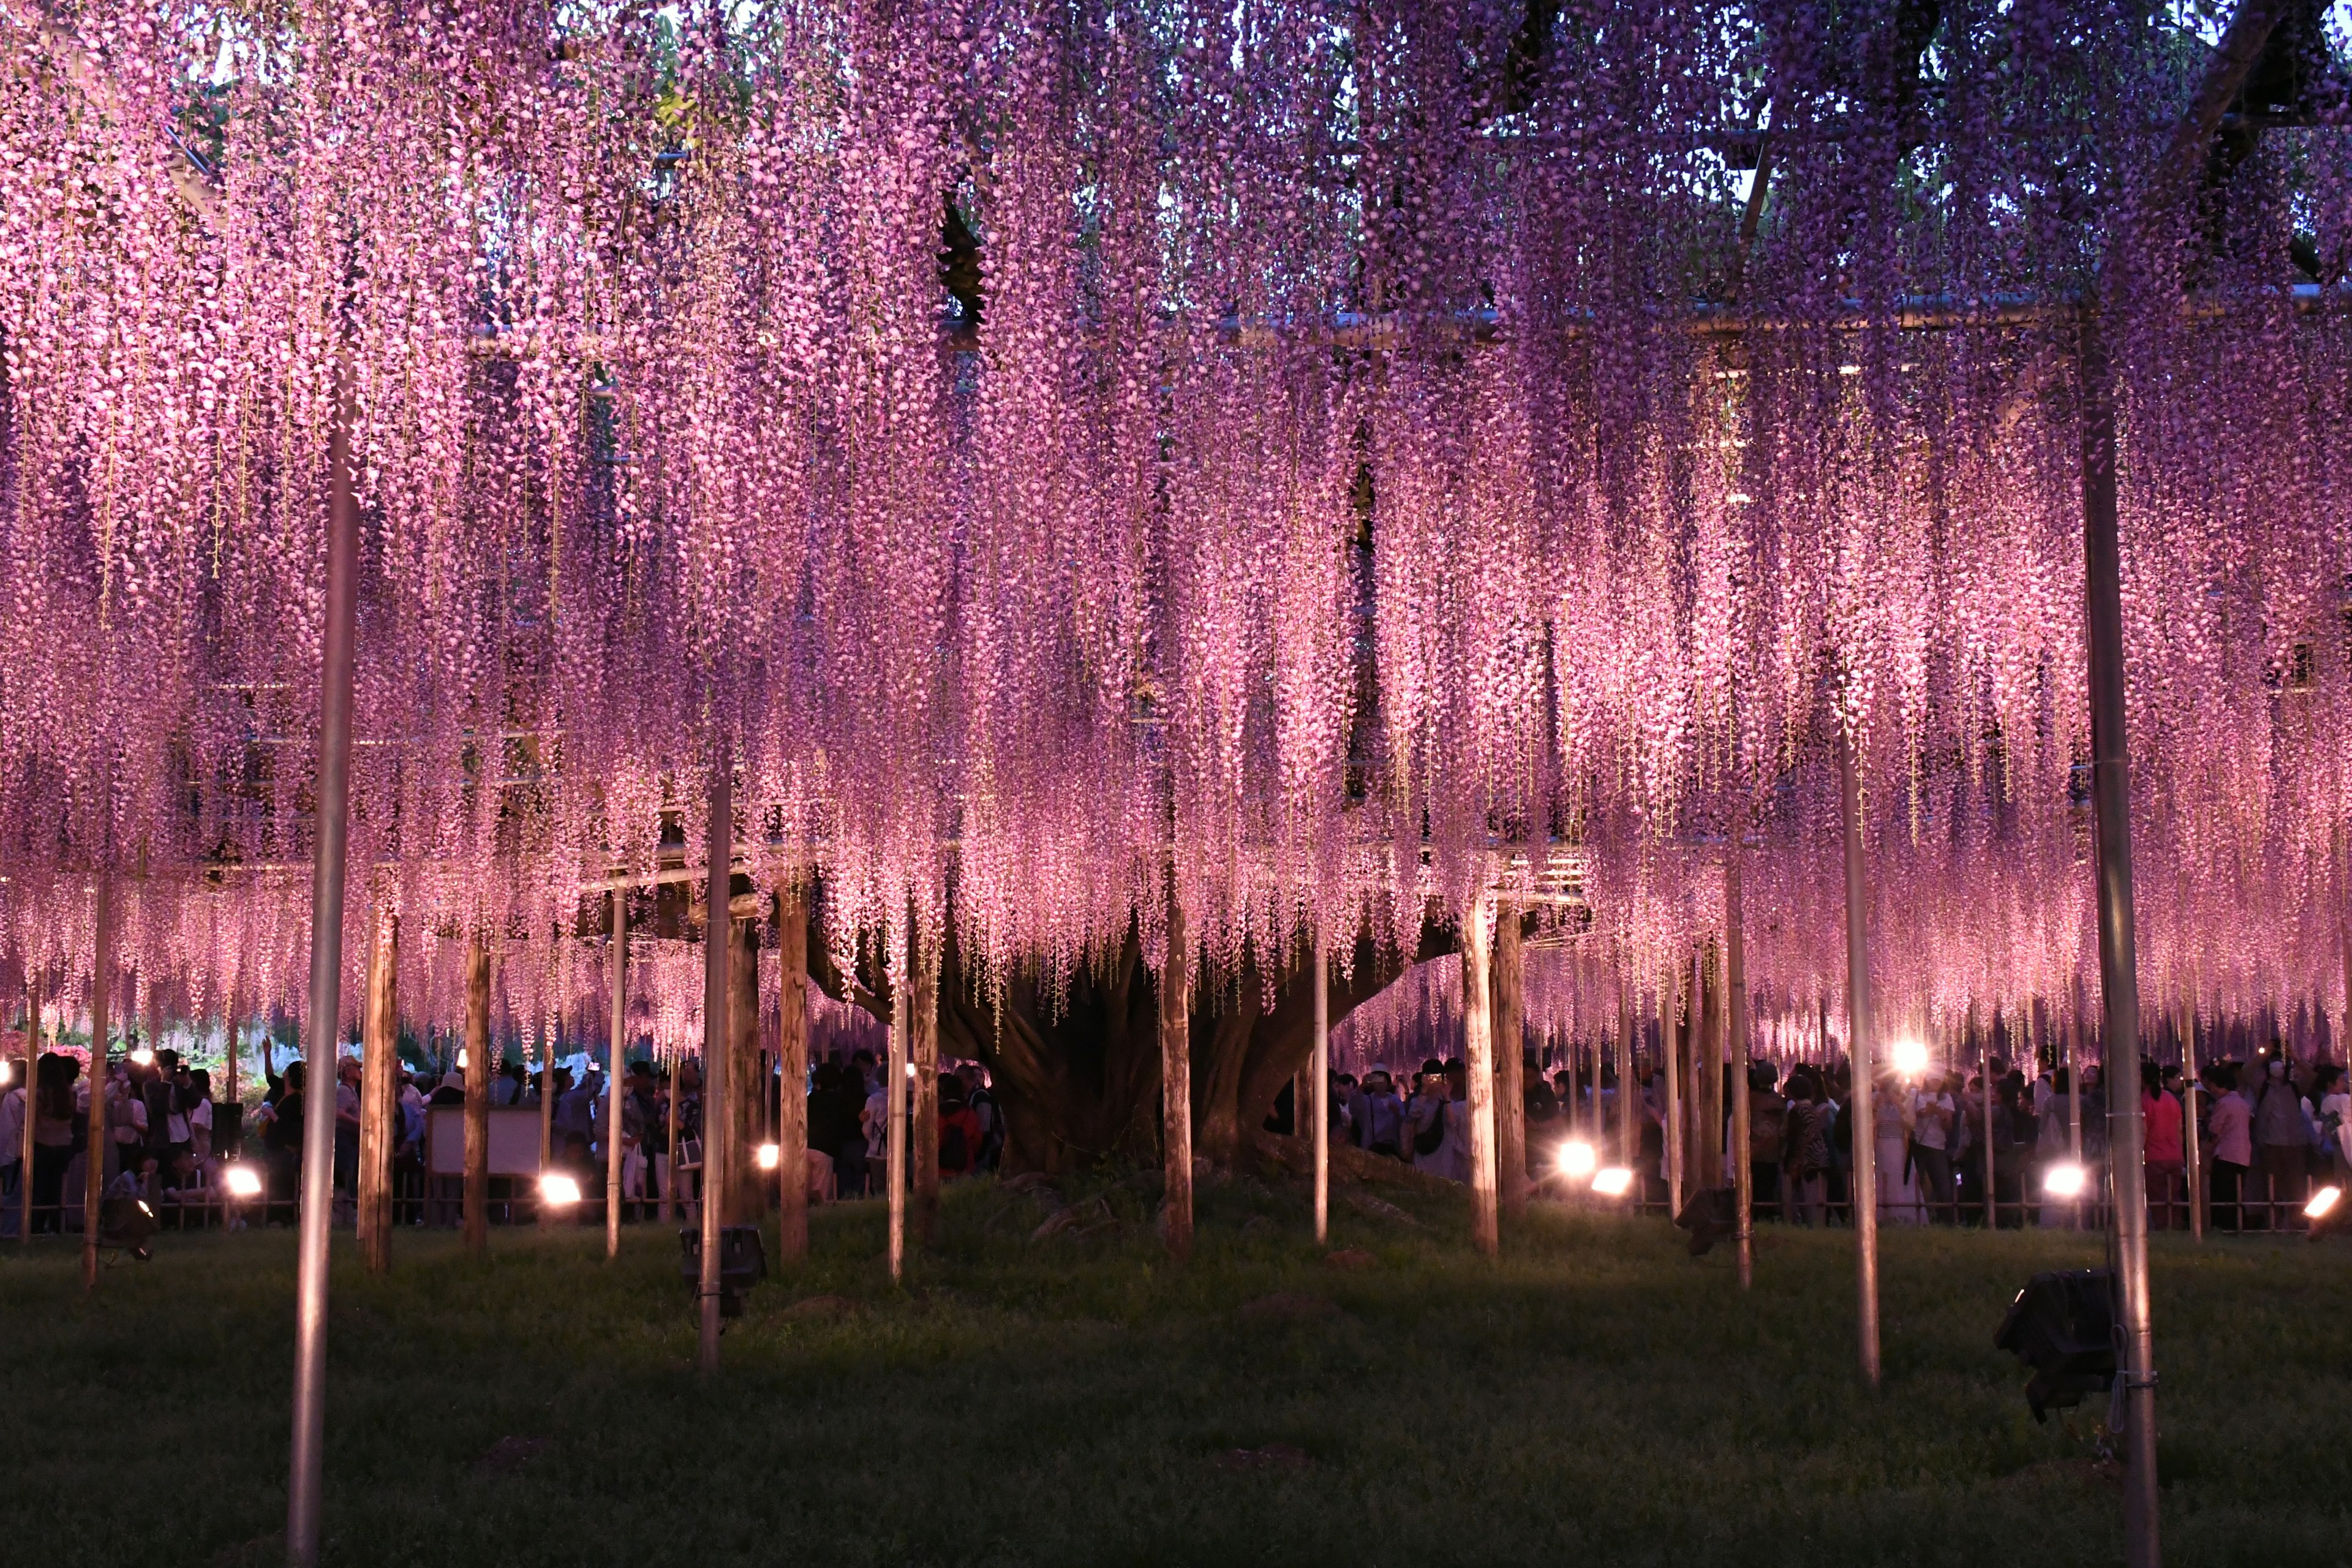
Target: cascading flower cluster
point(1300, 450)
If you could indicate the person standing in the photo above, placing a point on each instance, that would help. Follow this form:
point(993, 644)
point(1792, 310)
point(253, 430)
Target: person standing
point(2334, 1120)
point(1377, 1118)
point(1898, 1192)
point(2166, 1147)
point(58, 1122)
point(2282, 1143)
point(14, 1105)
point(2228, 1133)
point(1933, 1111)
point(1768, 1130)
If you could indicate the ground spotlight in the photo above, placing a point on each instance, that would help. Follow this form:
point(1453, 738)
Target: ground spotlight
point(1909, 1056)
point(558, 1189)
point(2323, 1203)
point(242, 1181)
point(2064, 1181)
point(1614, 1181)
point(1578, 1159)
point(769, 1154)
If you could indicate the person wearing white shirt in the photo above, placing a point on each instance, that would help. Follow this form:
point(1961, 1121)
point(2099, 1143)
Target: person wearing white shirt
point(12, 1145)
point(2230, 1133)
point(1932, 1112)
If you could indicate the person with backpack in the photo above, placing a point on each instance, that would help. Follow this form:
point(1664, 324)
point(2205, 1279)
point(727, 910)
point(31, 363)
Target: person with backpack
point(959, 1130)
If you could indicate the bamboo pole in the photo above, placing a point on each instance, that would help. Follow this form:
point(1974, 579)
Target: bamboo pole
point(1735, 988)
point(94, 1161)
point(379, 1068)
point(894, 1099)
point(1860, 1026)
point(1510, 1022)
point(1319, 1070)
point(1478, 1053)
point(540, 1212)
point(923, 1085)
point(1176, 1078)
point(616, 1054)
point(718, 841)
point(478, 1096)
point(792, 1057)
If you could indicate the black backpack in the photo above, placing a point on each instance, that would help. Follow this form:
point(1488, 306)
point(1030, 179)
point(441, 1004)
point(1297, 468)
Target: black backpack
point(1434, 1139)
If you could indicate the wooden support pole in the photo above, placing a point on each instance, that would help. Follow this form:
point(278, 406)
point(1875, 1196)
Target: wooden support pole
point(379, 1095)
point(894, 1101)
point(1706, 1063)
point(1860, 1048)
point(94, 1160)
point(1992, 1197)
point(477, 1069)
point(617, 1069)
point(1478, 1054)
point(1318, 1073)
point(670, 1208)
point(2191, 1154)
point(1735, 991)
point(792, 1056)
point(1671, 1113)
point(546, 1124)
point(923, 1086)
point(719, 880)
point(31, 1088)
point(1509, 1018)
point(1176, 1079)
point(747, 1187)
point(1629, 1132)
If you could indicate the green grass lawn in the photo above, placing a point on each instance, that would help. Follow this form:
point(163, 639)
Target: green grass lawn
point(1597, 1396)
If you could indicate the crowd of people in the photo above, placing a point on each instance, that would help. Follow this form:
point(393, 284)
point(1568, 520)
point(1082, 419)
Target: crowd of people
point(2271, 1131)
point(169, 1143)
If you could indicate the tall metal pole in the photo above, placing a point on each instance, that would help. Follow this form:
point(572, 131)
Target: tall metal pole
point(332, 792)
point(1859, 1026)
point(615, 1060)
point(2118, 962)
point(1735, 985)
point(719, 847)
point(1318, 1073)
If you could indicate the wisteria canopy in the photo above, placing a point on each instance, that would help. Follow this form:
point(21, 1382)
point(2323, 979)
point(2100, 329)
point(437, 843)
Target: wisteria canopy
point(1342, 450)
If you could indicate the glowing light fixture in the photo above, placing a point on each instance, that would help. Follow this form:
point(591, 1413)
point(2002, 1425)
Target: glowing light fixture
point(769, 1154)
point(1909, 1056)
point(1613, 1182)
point(558, 1190)
point(242, 1181)
point(142, 1057)
point(1578, 1159)
point(2322, 1203)
point(2064, 1181)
